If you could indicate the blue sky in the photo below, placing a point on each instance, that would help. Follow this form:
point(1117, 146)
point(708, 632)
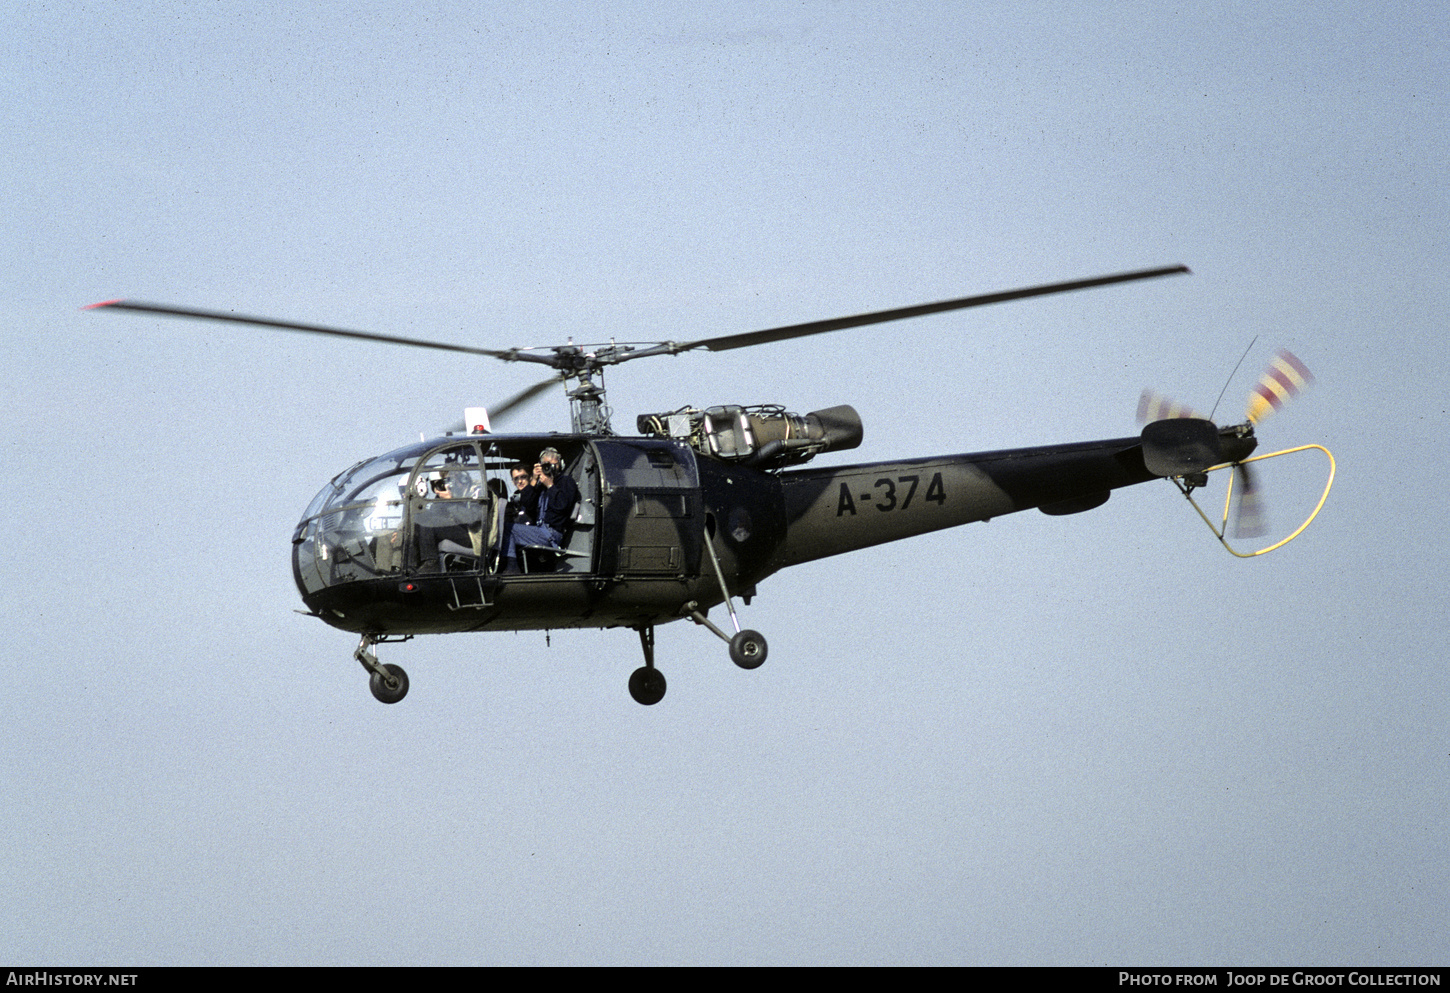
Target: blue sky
point(1045, 740)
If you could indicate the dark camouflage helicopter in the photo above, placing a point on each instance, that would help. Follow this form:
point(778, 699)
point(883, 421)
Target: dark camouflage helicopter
point(695, 510)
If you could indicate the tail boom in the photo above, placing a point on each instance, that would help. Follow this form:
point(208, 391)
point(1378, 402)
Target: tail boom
point(834, 510)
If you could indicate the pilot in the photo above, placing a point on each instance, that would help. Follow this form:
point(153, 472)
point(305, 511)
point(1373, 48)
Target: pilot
point(450, 524)
point(549, 501)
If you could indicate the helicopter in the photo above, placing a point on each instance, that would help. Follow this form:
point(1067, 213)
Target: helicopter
point(693, 511)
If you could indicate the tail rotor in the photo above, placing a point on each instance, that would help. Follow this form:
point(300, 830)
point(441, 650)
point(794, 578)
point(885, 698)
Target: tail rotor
point(1154, 406)
point(1284, 379)
point(1249, 517)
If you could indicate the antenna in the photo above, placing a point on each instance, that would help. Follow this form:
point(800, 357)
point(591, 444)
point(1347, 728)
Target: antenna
point(1231, 378)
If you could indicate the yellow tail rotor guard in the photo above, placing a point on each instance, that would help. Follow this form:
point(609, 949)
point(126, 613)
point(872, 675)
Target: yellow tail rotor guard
point(1220, 531)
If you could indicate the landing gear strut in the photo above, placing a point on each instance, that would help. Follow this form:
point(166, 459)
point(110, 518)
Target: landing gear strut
point(647, 684)
point(388, 683)
point(747, 648)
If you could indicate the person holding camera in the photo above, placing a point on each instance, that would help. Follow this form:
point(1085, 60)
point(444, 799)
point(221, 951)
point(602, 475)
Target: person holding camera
point(549, 501)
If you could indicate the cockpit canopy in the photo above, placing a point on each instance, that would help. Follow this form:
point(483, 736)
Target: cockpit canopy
point(390, 514)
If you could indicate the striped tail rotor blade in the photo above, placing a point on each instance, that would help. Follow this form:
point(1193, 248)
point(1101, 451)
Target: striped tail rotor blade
point(1250, 519)
point(1154, 406)
point(1285, 378)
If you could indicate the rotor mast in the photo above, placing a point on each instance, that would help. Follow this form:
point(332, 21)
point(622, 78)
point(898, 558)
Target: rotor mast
point(588, 412)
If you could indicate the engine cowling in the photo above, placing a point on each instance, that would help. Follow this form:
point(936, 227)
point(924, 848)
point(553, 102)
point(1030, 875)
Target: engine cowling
point(766, 436)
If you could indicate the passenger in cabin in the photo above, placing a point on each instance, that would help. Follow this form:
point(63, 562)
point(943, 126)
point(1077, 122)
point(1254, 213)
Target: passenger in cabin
point(549, 501)
point(522, 476)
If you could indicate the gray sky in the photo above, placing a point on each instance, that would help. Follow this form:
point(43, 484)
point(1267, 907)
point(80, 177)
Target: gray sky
point(1085, 740)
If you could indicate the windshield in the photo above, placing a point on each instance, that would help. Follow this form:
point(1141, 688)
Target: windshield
point(353, 529)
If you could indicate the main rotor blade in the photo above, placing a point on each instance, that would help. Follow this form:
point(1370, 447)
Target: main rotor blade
point(520, 398)
point(503, 410)
point(266, 322)
point(882, 316)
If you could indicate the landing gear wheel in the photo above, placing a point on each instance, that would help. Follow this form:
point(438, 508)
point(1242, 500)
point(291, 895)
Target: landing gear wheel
point(747, 649)
point(386, 693)
point(647, 685)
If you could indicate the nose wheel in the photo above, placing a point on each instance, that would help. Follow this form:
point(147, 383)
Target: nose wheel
point(388, 683)
point(390, 688)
